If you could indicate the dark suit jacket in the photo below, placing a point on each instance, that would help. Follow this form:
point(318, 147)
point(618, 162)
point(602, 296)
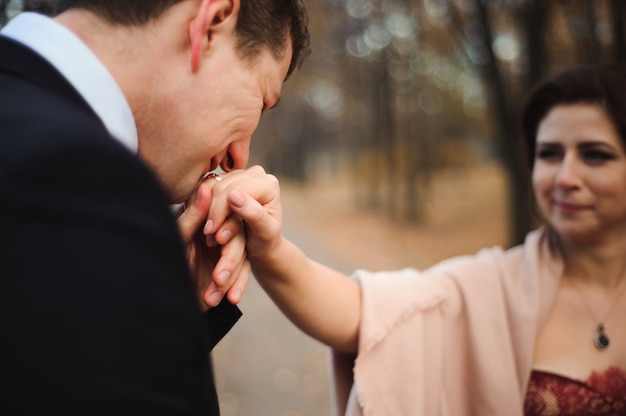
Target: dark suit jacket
point(97, 309)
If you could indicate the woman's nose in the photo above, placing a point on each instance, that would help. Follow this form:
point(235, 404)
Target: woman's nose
point(567, 174)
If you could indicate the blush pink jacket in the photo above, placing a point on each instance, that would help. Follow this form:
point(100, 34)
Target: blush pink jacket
point(456, 339)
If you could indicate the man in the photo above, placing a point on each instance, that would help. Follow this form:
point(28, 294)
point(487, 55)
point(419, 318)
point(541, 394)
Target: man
point(98, 309)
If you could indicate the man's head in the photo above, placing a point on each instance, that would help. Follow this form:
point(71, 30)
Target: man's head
point(197, 73)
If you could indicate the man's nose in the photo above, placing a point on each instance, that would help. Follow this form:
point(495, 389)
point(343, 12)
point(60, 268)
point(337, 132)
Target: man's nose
point(237, 156)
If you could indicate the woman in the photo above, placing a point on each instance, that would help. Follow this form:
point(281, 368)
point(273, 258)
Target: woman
point(537, 329)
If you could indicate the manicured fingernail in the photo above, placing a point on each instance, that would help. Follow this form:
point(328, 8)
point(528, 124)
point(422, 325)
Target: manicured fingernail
point(226, 234)
point(208, 226)
point(214, 298)
point(223, 277)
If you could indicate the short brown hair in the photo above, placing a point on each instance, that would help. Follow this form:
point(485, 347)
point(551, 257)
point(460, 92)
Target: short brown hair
point(260, 22)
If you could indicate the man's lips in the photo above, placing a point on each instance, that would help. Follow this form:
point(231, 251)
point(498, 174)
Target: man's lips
point(226, 164)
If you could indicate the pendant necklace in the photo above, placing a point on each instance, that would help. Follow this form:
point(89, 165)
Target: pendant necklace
point(601, 339)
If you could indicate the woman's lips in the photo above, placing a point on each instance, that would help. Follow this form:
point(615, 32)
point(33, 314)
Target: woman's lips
point(568, 207)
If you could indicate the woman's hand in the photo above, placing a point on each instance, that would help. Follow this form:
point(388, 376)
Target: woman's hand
point(254, 196)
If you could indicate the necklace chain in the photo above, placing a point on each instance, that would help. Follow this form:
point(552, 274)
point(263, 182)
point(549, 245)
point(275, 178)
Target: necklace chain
point(601, 340)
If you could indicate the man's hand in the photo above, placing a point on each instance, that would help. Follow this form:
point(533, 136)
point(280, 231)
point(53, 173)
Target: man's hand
point(217, 261)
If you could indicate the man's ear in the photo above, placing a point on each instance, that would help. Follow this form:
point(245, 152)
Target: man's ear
point(210, 14)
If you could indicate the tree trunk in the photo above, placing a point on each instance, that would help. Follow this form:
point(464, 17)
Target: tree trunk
point(507, 135)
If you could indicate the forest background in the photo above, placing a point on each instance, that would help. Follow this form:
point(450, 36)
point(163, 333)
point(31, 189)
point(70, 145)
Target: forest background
point(397, 92)
point(397, 144)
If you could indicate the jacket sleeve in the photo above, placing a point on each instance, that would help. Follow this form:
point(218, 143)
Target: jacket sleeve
point(98, 312)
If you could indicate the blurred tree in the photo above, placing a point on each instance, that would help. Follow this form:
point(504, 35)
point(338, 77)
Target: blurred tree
point(46, 7)
point(9, 8)
point(3, 11)
point(396, 90)
point(407, 75)
point(522, 40)
point(424, 81)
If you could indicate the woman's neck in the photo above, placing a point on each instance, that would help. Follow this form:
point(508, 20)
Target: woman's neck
point(600, 265)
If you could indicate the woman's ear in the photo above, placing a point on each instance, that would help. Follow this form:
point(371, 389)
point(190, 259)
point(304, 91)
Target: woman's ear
point(211, 13)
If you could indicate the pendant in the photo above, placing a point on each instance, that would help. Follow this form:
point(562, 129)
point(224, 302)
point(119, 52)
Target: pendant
point(601, 340)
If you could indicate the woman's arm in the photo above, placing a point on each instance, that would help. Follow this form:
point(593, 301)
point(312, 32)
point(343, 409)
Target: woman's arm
point(321, 301)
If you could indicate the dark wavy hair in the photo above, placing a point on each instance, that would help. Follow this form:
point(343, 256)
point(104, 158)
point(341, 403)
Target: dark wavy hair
point(260, 23)
point(603, 85)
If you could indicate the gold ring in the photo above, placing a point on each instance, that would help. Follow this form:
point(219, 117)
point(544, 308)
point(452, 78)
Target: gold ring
point(211, 175)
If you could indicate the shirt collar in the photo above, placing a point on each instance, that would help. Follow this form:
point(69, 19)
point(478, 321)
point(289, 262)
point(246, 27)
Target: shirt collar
point(81, 67)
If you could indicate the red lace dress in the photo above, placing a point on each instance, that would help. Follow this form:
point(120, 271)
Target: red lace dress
point(601, 394)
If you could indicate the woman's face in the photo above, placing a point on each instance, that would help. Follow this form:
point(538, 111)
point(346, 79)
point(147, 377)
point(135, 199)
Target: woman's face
point(579, 176)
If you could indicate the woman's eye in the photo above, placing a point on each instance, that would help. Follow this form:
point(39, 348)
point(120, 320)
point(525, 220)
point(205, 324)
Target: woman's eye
point(597, 156)
point(547, 154)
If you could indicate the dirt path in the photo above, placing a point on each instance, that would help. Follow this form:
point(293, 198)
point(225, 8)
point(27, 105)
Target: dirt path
point(265, 366)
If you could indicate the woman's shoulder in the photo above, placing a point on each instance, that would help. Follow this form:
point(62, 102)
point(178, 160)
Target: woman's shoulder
point(534, 250)
point(492, 260)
